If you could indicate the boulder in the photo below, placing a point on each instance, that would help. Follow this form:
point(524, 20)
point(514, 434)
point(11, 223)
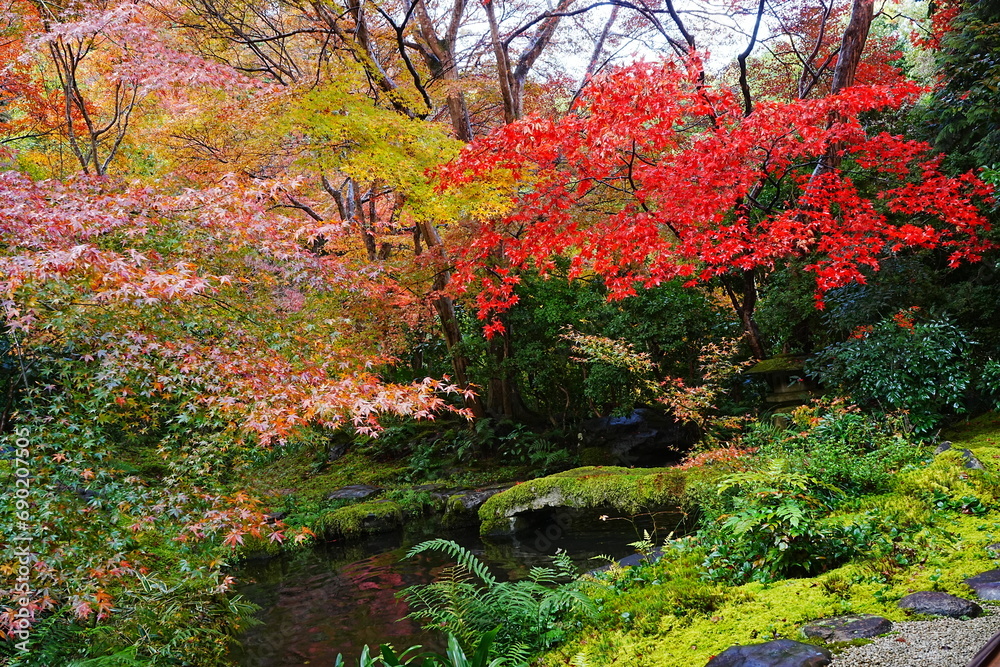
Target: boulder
point(336, 451)
point(777, 653)
point(472, 500)
point(986, 585)
point(971, 462)
point(353, 492)
point(943, 447)
point(847, 628)
point(643, 439)
point(940, 604)
point(461, 506)
point(604, 490)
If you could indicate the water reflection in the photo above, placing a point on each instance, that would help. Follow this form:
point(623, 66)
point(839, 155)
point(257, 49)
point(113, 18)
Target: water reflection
point(339, 596)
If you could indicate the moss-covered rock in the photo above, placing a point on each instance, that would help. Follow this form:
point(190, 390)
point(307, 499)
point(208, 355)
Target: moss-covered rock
point(780, 363)
point(360, 518)
point(626, 490)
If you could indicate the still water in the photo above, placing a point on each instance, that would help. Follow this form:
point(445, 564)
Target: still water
point(341, 595)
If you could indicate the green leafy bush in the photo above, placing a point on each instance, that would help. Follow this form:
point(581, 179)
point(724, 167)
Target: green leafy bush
point(774, 520)
point(770, 525)
point(924, 367)
point(468, 602)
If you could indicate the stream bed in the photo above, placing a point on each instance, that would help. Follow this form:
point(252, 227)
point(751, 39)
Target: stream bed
point(341, 595)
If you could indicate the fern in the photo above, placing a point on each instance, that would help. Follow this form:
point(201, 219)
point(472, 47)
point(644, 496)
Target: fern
point(458, 553)
point(126, 658)
point(468, 602)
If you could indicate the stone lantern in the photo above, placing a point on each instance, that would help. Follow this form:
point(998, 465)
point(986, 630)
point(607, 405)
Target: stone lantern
point(788, 383)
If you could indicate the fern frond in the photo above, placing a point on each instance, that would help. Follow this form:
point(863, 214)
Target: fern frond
point(458, 553)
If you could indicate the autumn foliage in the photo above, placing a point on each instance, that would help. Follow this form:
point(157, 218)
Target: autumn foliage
point(225, 226)
point(685, 186)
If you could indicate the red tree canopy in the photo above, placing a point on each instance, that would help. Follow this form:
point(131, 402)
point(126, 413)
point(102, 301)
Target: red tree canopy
point(654, 177)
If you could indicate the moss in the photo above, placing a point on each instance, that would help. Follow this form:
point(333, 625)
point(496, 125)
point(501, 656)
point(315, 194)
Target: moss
point(947, 475)
point(783, 362)
point(295, 484)
point(595, 456)
point(983, 431)
point(362, 517)
point(260, 546)
point(626, 490)
point(665, 629)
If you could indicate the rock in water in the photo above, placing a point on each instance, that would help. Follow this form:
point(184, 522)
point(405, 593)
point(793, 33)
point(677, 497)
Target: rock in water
point(353, 492)
point(847, 628)
point(986, 585)
point(777, 653)
point(940, 604)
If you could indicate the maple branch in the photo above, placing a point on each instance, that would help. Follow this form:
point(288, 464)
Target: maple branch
point(304, 207)
point(542, 37)
point(807, 63)
point(401, 47)
point(647, 12)
point(688, 37)
point(275, 61)
point(598, 48)
point(225, 305)
point(852, 45)
point(803, 93)
point(742, 60)
point(122, 127)
point(281, 36)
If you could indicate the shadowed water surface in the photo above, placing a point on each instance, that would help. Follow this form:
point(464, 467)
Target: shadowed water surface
point(340, 596)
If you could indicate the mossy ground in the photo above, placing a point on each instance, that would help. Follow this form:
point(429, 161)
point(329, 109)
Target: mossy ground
point(297, 484)
point(666, 615)
point(357, 518)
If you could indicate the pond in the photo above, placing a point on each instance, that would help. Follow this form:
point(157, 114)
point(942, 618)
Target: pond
point(341, 595)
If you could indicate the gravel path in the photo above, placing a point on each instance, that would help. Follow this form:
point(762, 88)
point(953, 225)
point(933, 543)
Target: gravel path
point(944, 642)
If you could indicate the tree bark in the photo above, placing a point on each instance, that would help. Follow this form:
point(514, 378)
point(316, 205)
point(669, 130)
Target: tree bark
point(743, 296)
point(851, 47)
point(444, 306)
point(512, 79)
point(503, 393)
point(439, 55)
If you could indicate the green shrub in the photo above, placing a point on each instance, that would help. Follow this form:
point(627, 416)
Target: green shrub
point(772, 524)
point(840, 446)
point(925, 367)
point(774, 521)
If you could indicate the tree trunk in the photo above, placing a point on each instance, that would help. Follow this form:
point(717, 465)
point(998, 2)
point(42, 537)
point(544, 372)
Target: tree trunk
point(444, 305)
point(851, 47)
point(504, 77)
point(503, 395)
point(743, 295)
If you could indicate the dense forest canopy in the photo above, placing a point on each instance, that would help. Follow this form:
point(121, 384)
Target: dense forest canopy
point(232, 227)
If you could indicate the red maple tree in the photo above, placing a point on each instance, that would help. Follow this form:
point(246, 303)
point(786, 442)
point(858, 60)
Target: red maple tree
point(685, 185)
